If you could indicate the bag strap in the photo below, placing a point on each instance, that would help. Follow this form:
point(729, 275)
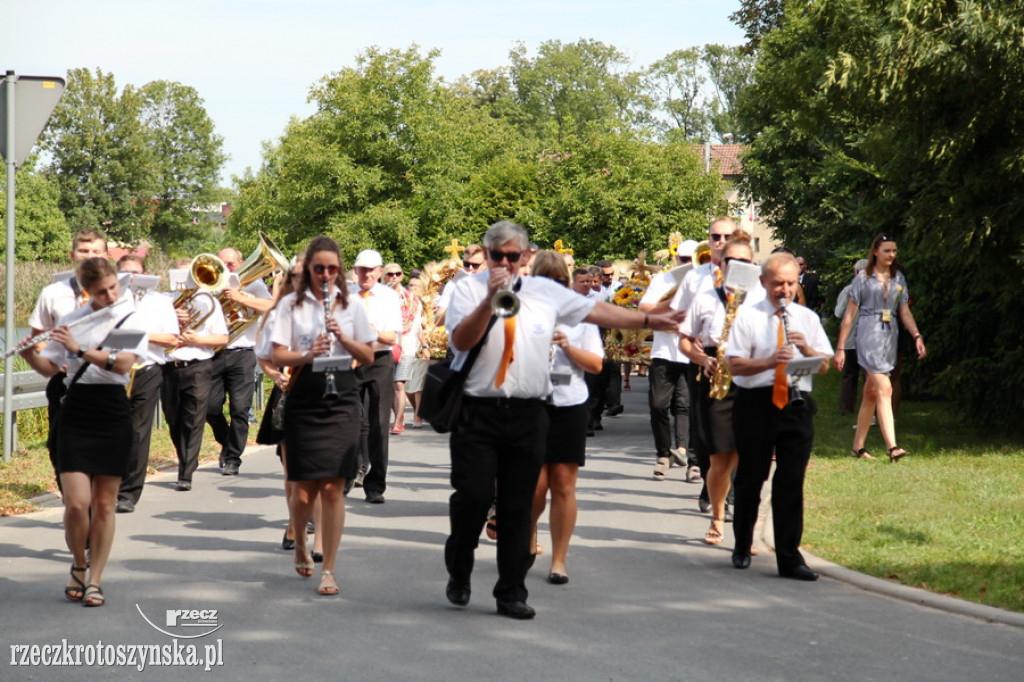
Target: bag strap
point(476, 349)
point(85, 365)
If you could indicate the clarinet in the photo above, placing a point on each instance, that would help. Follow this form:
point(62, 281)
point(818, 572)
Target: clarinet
point(796, 396)
point(330, 390)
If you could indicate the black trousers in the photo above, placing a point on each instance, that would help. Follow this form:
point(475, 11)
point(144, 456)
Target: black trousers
point(699, 452)
point(185, 394)
point(376, 390)
point(145, 397)
point(848, 385)
point(231, 376)
point(611, 382)
point(495, 449)
point(595, 397)
point(762, 429)
point(668, 395)
point(55, 391)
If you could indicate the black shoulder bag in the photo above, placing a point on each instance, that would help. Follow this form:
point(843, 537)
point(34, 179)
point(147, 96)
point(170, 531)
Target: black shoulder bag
point(442, 392)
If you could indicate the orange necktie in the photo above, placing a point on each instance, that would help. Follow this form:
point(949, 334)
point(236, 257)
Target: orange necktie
point(718, 277)
point(506, 354)
point(780, 389)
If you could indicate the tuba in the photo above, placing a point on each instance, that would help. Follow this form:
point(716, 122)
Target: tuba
point(265, 259)
point(209, 274)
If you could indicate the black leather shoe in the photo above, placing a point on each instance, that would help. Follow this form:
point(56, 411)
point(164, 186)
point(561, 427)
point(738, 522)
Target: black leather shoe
point(800, 572)
point(375, 498)
point(230, 469)
point(318, 558)
point(125, 507)
point(740, 560)
point(183, 486)
point(457, 594)
point(728, 513)
point(615, 410)
point(519, 610)
point(558, 578)
point(704, 506)
point(287, 544)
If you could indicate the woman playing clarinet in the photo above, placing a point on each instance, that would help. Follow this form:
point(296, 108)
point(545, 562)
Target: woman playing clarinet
point(322, 413)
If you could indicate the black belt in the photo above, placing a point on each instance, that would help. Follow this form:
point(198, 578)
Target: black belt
point(184, 363)
point(381, 353)
point(506, 403)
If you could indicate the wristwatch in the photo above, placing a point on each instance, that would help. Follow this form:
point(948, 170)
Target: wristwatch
point(80, 352)
point(111, 357)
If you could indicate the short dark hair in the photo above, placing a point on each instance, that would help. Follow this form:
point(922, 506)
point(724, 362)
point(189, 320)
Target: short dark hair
point(92, 270)
point(131, 258)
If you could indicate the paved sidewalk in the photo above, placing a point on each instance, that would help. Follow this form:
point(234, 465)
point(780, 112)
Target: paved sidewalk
point(647, 599)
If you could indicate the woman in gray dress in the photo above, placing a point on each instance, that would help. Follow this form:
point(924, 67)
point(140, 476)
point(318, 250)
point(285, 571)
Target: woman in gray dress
point(876, 297)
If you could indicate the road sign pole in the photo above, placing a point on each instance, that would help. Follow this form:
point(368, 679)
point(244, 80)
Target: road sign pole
point(12, 167)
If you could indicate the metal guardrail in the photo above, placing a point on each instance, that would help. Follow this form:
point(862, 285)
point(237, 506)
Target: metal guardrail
point(29, 392)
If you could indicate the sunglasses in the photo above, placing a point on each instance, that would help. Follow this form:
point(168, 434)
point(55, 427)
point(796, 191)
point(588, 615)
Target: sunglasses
point(719, 237)
point(685, 259)
point(393, 274)
point(512, 257)
point(607, 275)
point(472, 266)
point(329, 269)
point(729, 259)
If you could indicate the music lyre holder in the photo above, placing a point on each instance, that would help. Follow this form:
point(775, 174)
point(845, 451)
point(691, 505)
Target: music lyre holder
point(332, 363)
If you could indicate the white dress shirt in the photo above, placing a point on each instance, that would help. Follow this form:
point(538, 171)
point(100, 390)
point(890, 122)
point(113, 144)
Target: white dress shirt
point(296, 328)
point(543, 304)
point(383, 308)
point(89, 336)
point(247, 339)
point(666, 344)
point(584, 336)
point(755, 334)
point(55, 301)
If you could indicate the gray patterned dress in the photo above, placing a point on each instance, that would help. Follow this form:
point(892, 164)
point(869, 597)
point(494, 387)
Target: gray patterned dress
point(876, 337)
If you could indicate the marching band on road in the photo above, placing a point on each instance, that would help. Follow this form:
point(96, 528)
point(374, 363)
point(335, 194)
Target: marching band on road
point(730, 386)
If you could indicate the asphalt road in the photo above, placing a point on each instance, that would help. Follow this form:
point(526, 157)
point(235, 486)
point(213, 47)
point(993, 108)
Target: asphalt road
point(647, 599)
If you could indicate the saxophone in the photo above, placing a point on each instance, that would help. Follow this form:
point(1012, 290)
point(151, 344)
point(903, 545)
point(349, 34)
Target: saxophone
point(722, 378)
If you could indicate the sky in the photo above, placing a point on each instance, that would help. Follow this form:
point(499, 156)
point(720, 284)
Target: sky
point(253, 61)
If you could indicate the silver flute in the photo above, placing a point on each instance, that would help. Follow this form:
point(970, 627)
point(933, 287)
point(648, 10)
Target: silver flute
point(796, 396)
point(46, 336)
point(330, 390)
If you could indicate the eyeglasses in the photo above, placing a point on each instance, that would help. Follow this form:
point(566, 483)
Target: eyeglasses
point(512, 257)
point(729, 259)
point(685, 259)
point(472, 266)
point(393, 274)
point(607, 275)
point(719, 237)
point(329, 269)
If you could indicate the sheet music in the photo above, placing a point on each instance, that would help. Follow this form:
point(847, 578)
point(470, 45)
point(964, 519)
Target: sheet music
point(742, 276)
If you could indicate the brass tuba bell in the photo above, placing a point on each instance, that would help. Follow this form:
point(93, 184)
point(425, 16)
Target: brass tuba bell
point(265, 259)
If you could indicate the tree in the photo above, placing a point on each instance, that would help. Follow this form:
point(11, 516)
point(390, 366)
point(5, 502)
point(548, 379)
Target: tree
point(98, 156)
point(675, 86)
point(730, 71)
point(907, 118)
point(757, 18)
point(572, 88)
point(187, 156)
point(611, 195)
point(41, 233)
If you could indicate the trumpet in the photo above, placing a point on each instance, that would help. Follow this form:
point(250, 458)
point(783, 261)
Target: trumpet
point(796, 396)
point(330, 390)
point(505, 302)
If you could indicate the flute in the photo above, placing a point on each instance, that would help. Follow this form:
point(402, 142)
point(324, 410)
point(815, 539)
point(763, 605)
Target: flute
point(47, 335)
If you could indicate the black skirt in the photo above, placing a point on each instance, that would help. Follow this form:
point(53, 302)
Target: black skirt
point(94, 430)
point(322, 435)
point(719, 422)
point(267, 434)
point(567, 435)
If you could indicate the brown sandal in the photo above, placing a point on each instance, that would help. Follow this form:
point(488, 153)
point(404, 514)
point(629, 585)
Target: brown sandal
point(76, 591)
point(861, 454)
point(896, 453)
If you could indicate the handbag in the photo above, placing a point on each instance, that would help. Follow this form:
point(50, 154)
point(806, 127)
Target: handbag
point(441, 403)
point(396, 352)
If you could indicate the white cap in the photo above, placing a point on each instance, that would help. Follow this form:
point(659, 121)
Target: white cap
point(368, 258)
point(686, 248)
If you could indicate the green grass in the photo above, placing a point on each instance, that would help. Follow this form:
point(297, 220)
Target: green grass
point(947, 518)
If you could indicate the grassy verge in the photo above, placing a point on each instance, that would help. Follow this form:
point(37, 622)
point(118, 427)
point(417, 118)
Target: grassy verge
point(947, 518)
